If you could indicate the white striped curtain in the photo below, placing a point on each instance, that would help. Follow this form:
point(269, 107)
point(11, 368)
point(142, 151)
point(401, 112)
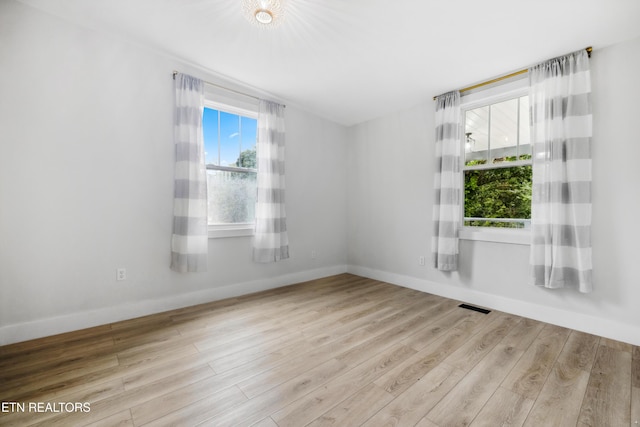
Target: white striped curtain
point(189, 239)
point(560, 97)
point(270, 243)
point(447, 182)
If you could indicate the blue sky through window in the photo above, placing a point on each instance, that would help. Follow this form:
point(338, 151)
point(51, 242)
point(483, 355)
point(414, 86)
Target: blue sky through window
point(226, 135)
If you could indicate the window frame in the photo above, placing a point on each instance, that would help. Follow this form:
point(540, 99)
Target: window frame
point(511, 90)
point(240, 229)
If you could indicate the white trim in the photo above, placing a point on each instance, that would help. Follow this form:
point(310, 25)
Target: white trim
point(494, 95)
point(86, 319)
point(70, 322)
point(497, 235)
point(226, 108)
point(500, 165)
point(568, 319)
point(217, 231)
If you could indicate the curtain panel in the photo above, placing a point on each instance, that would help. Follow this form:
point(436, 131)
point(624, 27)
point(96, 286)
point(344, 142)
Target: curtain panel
point(447, 182)
point(561, 121)
point(189, 239)
point(271, 242)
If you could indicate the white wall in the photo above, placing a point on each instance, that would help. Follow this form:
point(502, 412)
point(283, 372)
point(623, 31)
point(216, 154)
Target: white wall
point(390, 201)
point(86, 183)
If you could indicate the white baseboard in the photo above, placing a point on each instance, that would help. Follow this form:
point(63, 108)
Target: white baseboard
point(86, 319)
point(581, 322)
point(71, 322)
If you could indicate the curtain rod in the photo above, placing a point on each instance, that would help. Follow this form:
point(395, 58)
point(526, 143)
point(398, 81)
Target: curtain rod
point(508, 76)
point(227, 89)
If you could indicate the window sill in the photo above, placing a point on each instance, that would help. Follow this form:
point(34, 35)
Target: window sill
point(497, 235)
point(230, 230)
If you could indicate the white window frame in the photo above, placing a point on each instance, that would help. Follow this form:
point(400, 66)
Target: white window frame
point(241, 229)
point(494, 95)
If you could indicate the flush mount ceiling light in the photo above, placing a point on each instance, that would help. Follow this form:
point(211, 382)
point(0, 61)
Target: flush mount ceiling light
point(264, 13)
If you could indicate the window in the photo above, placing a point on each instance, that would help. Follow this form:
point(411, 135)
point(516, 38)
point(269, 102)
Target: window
point(230, 156)
point(496, 168)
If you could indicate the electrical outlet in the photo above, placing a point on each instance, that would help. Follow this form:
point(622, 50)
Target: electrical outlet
point(421, 260)
point(314, 254)
point(121, 274)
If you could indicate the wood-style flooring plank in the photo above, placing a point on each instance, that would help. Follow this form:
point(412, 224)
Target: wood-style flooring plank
point(412, 405)
point(528, 376)
point(128, 399)
point(268, 379)
point(383, 340)
point(467, 398)
point(477, 347)
point(355, 410)
point(201, 410)
point(425, 422)
point(90, 393)
point(460, 406)
point(505, 408)
point(32, 360)
point(316, 403)
point(607, 401)
point(635, 406)
point(259, 407)
point(47, 381)
point(338, 351)
point(560, 399)
point(266, 422)
point(121, 419)
point(635, 386)
point(414, 368)
point(180, 398)
point(53, 344)
point(351, 349)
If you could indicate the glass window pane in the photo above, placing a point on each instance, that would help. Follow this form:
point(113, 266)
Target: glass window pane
point(229, 139)
point(525, 127)
point(504, 131)
point(476, 135)
point(501, 193)
point(231, 196)
point(249, 128)
point(210, 135)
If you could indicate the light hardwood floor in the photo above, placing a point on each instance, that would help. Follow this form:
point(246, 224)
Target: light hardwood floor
point(341, 351)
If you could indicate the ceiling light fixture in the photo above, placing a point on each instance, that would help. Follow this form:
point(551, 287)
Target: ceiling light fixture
point(264, 13)
point(468, 145)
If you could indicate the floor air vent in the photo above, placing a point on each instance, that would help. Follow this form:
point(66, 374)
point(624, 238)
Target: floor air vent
point(471, 307)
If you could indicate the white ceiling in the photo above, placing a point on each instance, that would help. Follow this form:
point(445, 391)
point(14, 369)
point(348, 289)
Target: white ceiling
point(354, 60)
